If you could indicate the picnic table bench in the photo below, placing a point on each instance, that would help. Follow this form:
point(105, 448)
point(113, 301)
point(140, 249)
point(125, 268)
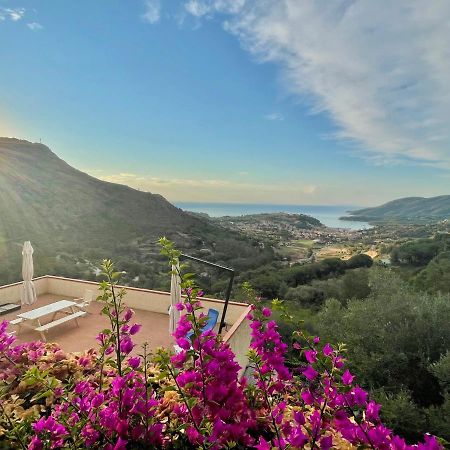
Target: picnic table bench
point(32, 318)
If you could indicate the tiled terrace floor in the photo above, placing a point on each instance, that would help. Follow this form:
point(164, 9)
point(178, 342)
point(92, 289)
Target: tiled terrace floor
point(73, 338)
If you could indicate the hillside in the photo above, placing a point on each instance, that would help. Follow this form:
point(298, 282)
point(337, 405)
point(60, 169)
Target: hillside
point(409, 209)
point(298, 221)
point(67, 213)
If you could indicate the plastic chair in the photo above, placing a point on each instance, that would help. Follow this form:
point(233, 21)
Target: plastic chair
point(213, 316)
point(86, 300)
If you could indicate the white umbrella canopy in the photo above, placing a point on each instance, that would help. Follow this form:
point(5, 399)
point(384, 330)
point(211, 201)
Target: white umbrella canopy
point(28, 294)
point(175, 298)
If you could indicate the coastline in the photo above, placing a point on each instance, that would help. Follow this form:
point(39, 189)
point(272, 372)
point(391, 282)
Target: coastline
point(329, 215)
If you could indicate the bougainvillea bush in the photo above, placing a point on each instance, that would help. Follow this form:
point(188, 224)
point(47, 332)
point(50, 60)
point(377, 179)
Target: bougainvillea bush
point(120, 397)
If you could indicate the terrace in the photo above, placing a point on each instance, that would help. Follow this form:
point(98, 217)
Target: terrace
point(151, 311)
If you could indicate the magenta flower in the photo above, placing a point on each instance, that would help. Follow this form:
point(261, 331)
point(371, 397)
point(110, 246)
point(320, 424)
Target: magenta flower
point(347, 377)
point(121, 444)
point(310, 373)
point(327, 350)
point(263, 444)
point(360, 395)
point(36, 444)
point(126, 345)
point(134, 362)
point(128, 315)
point(179, 306)
point(266, 312)
point(311, 356)
point(372, 411)
point(326, 443)
point(135, 329)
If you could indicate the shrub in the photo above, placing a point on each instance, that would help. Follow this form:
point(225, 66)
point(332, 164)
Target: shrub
point(194, 399)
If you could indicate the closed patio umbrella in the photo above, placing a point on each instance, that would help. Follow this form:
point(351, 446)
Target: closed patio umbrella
point(28, 294)
point(175, 298)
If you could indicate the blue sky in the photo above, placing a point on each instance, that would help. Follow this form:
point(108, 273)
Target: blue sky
point(275, 101)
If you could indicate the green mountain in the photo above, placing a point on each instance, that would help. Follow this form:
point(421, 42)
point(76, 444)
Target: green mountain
point(72, 218)
point(409, 209)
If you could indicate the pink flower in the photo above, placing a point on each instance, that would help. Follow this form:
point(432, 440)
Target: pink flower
point(307, 397)
point(128, 315)
point(347, 378)
point(179, 306)
point(121, 444)
point(109, 350)
point(135, 329)
point(360, 395)
point(36, 444)
point(327, 350)
point(299, 417)
point(263, 444)
point(192, 434)
point(310, 373)
point(311, 356)
point(372, 411)
point(126, 345)
point(326, 442)
point(134, 362)
point(430, 443)
point(299, 439)
point(266, 312)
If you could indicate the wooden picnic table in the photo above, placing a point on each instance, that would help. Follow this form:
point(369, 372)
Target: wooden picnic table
point(32, 318)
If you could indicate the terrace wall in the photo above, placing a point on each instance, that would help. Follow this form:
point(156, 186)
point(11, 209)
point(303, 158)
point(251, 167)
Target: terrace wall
point(237, 329)
point(145, 299)
point(10, 293)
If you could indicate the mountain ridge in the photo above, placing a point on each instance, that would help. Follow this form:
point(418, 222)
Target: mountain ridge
point(407, 209)
point(64, 211)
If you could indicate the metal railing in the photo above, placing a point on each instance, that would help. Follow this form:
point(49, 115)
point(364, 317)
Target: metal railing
point(229, 288)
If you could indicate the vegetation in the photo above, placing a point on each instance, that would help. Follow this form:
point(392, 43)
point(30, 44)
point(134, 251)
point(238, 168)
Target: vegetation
point(305, 282)
point(410, 209)
point(114, 400)
point(426, 262)
point(398, 341)
point(69, 216)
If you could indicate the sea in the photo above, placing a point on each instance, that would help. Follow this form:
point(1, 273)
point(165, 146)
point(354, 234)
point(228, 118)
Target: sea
point(327, 214)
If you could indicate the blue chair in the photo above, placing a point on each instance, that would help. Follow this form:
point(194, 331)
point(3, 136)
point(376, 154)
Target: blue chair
point(213, 316)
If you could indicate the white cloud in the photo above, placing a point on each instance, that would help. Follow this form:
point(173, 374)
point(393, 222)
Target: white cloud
point(187, 189)
point(197, 8)
point(152, 12)
point(200, 8)
point(379, 69)
point(275, 116)
point(14, 14)
point(34, 26)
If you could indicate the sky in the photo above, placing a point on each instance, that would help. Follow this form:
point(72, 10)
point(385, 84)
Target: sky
point(251, 101)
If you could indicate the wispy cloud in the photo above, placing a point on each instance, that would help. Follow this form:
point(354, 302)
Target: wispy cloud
point(152, 12)
point(275, 116)
point(14, 14)
point(384, 86)
point(34, 26)
point(200, 8)
point(200, 189)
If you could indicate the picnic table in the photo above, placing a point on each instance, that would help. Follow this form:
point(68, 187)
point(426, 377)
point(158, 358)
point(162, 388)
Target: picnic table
point(32, 318)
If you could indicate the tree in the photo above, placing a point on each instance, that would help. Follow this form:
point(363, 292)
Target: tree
point(360, 260)
point(436, 276)
point(355, 284)
point(392, 337)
